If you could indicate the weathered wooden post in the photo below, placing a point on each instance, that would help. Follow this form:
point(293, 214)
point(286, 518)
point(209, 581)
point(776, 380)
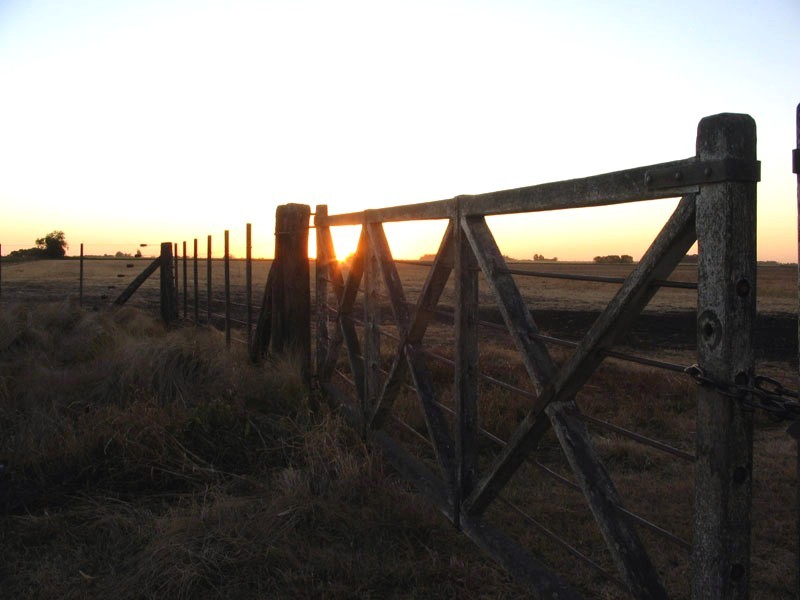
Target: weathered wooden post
point(208, 282)
point(291, 292)
point(169, 292)
point(466, 361)
point(80, 279)
point(185, 285)
point(196, 291)
point(726, 232)
point(175, 274)
point(248, 275)
point(372, 327)
point(322, 276)
point(227, 289)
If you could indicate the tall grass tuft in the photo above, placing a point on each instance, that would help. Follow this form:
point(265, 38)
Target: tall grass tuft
point(140, 462)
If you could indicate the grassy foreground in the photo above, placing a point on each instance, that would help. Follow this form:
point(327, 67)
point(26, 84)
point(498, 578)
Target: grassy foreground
point(143, 463)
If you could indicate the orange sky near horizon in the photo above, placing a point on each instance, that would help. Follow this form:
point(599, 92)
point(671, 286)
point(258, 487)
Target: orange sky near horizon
point(126, 122)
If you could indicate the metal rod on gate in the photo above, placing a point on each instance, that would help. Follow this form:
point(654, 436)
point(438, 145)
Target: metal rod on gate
point(227, 290)
point(196, 291)
point(249, 283)
point(208, 281)
point(80, 279)
point(185, 284)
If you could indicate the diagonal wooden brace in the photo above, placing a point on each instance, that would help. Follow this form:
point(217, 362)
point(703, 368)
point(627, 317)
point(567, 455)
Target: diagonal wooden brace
point(557, 396)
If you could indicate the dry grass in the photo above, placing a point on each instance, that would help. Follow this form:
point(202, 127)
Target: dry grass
point(143, 463)
point(657, 404)
point(247, 464)
point(653, 484)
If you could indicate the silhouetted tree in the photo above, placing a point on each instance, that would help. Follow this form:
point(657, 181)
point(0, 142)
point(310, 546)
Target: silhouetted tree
point(614, 259)
point(53, 245)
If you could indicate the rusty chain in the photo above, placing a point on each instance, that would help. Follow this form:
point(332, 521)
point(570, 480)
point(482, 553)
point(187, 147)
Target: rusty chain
point(758, 393)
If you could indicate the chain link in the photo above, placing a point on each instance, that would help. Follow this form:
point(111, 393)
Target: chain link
point(759, 393)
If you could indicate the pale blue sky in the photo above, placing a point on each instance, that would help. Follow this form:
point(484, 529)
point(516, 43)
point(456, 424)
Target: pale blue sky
point(149, 121)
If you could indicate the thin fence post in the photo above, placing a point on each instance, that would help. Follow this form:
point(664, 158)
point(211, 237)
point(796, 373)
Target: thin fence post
point(208, 282)
point(322, 275)
point(169, 293)
point(726, 232)
point(291, 294)
point(227, 290)
point(80, 278)
point(466, 364)
point(196, 290)
point(185, 285)
point(248, 275)
point(175, 250)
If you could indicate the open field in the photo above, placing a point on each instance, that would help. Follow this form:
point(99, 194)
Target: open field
point(104, 279)
point(650, 402)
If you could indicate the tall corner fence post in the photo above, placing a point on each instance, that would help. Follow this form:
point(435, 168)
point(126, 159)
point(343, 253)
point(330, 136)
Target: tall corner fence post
point(726, 232)
point(284, 322)
point(278, 291)
point(291, 293)
point(169, 291)
point(322, 276)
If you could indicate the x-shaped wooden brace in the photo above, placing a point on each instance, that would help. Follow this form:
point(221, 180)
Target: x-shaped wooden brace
point(409, 356)
point(555, 405)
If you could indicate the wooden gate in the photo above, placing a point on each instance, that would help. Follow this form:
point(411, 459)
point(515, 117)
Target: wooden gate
point(717, 207)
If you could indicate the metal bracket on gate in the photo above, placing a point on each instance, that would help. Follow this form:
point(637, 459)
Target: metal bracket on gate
point(714, 171)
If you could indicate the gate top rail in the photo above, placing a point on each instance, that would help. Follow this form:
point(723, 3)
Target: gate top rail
point(653, 182)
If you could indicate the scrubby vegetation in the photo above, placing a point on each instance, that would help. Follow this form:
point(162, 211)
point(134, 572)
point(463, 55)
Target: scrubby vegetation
point(53, 245)
point(144, 463)
point(140, 462)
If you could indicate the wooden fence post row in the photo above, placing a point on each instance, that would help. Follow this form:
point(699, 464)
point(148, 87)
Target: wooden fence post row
point(718, 190)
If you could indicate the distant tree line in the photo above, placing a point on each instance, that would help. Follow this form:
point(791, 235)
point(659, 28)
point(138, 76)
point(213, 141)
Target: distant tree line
point(542, 258)
point(614, 259)
point(53, 245)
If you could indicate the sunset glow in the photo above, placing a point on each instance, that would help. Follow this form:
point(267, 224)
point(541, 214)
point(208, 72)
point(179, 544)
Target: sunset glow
point(125, 122)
